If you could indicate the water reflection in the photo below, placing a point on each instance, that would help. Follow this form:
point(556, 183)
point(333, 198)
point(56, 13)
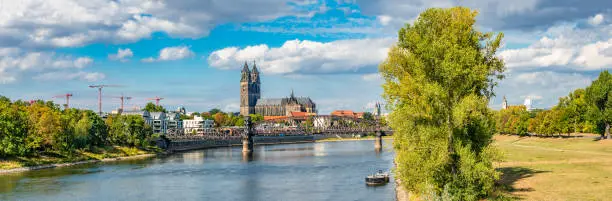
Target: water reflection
point(312, 171)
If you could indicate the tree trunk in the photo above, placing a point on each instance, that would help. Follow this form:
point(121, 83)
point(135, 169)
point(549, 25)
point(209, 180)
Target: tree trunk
point(607, 131)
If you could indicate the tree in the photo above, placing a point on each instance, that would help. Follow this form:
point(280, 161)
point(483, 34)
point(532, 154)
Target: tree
point(150, 107)
point(368, 116)
point(220, 119)
point(13, 129)
point(438, 81)
point(215, 111)
point(599, 98)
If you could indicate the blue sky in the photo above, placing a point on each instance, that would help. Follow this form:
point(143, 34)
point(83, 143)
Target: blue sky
point(190, 52)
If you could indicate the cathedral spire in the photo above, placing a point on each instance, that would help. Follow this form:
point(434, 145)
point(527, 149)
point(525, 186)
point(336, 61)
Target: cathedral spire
point(246, 73)
point(254, 73)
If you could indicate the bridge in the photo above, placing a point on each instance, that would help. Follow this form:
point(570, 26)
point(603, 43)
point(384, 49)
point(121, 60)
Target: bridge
point(286, 130)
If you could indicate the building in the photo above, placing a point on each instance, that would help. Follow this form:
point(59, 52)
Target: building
point(377, 110)
point(504, 103)
point(347, 113)
point(158, 122)
point(198, 125)
point(173, 121)
point(252, 103)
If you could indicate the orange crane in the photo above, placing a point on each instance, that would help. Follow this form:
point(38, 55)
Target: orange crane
point(122, 98)
point(157, 99)
point(67, 96)
point(99, 87)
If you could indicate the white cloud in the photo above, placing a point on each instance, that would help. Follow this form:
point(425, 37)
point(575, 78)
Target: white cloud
point(596, 20)
point(122, 55)
point(546, 87)
point(73, 23)
point(171, 53)
point(594, 55)
point(303, 57)
point(66, 75)
point(384, 19)
point(567, 45)
point(15, 63)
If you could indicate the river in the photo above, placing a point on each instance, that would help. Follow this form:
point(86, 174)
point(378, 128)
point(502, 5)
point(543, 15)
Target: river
point(293, 172)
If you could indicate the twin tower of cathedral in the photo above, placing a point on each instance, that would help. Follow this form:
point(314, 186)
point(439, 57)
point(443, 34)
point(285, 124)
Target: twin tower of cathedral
point(252, 103)
point(250, 89)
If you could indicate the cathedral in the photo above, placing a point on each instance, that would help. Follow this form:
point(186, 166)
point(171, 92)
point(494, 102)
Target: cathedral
point(252, 103)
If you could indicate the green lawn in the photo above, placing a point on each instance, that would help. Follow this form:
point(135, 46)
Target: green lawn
point(79, 155)
point(555, 169)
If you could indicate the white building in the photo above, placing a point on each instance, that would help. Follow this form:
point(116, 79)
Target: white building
point(197, 125)
point(321, 121)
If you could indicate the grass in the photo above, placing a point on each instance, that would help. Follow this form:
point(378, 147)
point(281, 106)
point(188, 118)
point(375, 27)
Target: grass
point(554, 168)
point(47, 158)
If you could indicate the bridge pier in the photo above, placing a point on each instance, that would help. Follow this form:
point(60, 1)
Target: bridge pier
point(378, 141)
point(247, 144)
point(247, 137)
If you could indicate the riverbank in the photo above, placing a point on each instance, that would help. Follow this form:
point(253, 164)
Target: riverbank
point(351, 139)
point(53, 160)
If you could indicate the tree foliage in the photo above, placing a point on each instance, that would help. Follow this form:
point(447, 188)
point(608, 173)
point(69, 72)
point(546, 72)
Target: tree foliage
point(438, 80)
point(150, 107)
point(31, 128)
point(599, 97)
point(577, 112)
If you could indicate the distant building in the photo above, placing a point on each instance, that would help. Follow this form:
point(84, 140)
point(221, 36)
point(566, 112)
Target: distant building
point(377, 110)
point(252, 103)
point(173, 121)
point(347, 113)
point(527, 103)
point(198, 125)
point(159, 123)
point(504, 103)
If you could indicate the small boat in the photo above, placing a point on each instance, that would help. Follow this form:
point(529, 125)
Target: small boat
point(379, 178)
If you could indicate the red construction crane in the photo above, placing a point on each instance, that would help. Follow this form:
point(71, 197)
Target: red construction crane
point(122, 98)
point(157, 99)
point(67, 96)
point(99, 87)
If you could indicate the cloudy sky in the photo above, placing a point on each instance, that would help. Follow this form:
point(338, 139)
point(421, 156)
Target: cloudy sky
point(190, 51)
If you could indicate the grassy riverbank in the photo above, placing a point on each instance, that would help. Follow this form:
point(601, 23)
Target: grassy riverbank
point(58, 158)
point(555, 169)
point(351, 139)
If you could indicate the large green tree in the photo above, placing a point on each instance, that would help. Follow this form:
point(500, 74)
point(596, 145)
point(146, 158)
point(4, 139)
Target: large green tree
point(438, 81)
point(599, 97)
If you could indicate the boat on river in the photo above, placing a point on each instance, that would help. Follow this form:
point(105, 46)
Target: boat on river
point(378, 178)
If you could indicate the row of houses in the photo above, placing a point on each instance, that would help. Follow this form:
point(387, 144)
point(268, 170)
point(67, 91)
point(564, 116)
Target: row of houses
point(163, 122)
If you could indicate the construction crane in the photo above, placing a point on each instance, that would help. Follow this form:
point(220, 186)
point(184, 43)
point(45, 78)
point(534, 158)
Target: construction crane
point(122, 98)
point(67, 96)
point(157, 99)
point(99, 87)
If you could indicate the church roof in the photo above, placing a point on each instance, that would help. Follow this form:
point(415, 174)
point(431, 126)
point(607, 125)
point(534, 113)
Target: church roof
point(282, 101)
point(269, 101)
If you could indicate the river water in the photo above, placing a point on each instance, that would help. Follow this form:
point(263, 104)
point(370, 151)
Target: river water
point(292, 172)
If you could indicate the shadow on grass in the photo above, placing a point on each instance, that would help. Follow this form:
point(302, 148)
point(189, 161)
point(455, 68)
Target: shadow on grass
point(509, 176)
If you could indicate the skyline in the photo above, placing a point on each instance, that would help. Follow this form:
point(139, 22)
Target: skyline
point(191, 53)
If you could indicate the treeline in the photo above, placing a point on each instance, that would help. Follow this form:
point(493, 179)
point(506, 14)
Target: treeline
point(224, 118)
point(587, 110)
point(31, 128)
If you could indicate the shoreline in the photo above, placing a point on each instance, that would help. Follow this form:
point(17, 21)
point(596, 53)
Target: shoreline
point(56, 165)
point(350, 139)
